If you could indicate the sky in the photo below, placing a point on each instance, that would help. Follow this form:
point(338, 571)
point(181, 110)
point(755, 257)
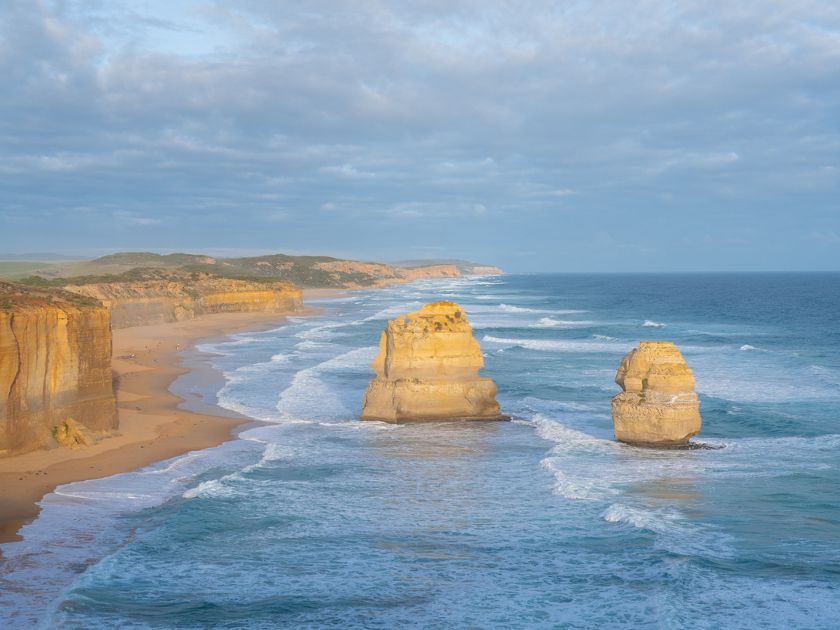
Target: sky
point(540, 136)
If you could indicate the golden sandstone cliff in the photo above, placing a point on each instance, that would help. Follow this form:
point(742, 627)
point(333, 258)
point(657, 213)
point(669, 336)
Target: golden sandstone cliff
point(55, 346)
point(174, 297)
point(379, 274)
point(427, 369)
point(55, 370)
point(658, 406)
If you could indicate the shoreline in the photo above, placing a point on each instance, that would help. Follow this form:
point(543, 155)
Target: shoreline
point(155, 423)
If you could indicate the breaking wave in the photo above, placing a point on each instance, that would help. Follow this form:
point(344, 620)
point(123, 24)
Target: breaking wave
point(550, 322)
point(649, 323)
point(560, 345)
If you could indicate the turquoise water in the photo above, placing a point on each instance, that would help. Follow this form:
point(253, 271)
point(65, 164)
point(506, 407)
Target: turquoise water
point(318, 520)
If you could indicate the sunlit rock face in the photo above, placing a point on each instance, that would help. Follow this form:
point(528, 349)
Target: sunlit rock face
point(427, 369)
point(176, 299)
point(658, 406)
point(55, 370)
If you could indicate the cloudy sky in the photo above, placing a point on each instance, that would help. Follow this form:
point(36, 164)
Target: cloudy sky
point(562, 136)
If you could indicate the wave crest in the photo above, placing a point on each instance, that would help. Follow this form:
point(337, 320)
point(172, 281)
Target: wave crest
point(649, 323)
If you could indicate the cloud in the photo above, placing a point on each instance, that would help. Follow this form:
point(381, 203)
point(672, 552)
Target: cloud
point(542, 124)
point(347, 170)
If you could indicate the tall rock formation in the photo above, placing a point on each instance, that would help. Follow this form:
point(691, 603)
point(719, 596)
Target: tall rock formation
point(55, 369)
point(658, 406)
point(427, 369)
point(176, 296)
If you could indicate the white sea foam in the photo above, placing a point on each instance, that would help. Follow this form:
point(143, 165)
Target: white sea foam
point(221, 488)
point(747, 347)
point(589, 468)
point(324, 331)
point(756, 376)
point(80, 522)
point(560, 345)
point(239, 340)
point(226, 401)
point(719, 333)
point(245, 372)
point(516, 310)
point(648, 323)
point(175, 464)
point(356, 425)
point(656, 521)
point(569, 438)
point(273, 452)
point(102, 495)
point(309, 397)
point(550, 322)
point(570, 488)
point(508, 308)
point(311, 345)
point(829, 442)
point(395, 311)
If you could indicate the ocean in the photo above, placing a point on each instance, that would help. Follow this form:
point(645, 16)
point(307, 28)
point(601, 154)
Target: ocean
point(315, 519)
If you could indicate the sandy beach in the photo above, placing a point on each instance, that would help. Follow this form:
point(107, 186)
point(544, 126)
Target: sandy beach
point(146, 361)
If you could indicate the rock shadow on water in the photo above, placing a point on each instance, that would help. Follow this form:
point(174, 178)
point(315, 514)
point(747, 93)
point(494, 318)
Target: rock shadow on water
point(688, 446)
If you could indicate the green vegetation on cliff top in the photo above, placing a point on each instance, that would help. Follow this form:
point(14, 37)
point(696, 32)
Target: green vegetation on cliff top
point(13, 294)
point(303, 271)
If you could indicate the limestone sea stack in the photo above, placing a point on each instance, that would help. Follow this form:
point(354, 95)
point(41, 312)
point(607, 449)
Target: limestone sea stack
point(427, 369)
point(658, 406)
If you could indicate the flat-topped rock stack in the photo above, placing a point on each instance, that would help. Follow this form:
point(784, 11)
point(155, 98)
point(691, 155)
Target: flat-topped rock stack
point(427, 369)
point(658, 406)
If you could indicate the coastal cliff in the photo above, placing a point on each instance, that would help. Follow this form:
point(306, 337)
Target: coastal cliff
point(427, 369)
point(658, 406)
point(55, 369)
point(169, 297)
point(378, 274)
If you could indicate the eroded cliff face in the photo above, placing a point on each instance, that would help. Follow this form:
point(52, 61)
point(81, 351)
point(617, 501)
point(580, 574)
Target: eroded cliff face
point(55, 368)
point(484, 270)
point(427, 369)
point(176, 298)
point(658, 406)
point(379, 274)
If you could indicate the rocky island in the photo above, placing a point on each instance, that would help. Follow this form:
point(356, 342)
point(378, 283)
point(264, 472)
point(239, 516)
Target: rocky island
point(658, 406)
point(427, 369)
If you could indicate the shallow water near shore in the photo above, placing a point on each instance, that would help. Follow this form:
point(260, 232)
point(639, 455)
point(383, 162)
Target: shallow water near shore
point(316, 519)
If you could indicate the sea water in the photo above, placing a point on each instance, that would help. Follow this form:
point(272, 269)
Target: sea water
point(316, 519)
